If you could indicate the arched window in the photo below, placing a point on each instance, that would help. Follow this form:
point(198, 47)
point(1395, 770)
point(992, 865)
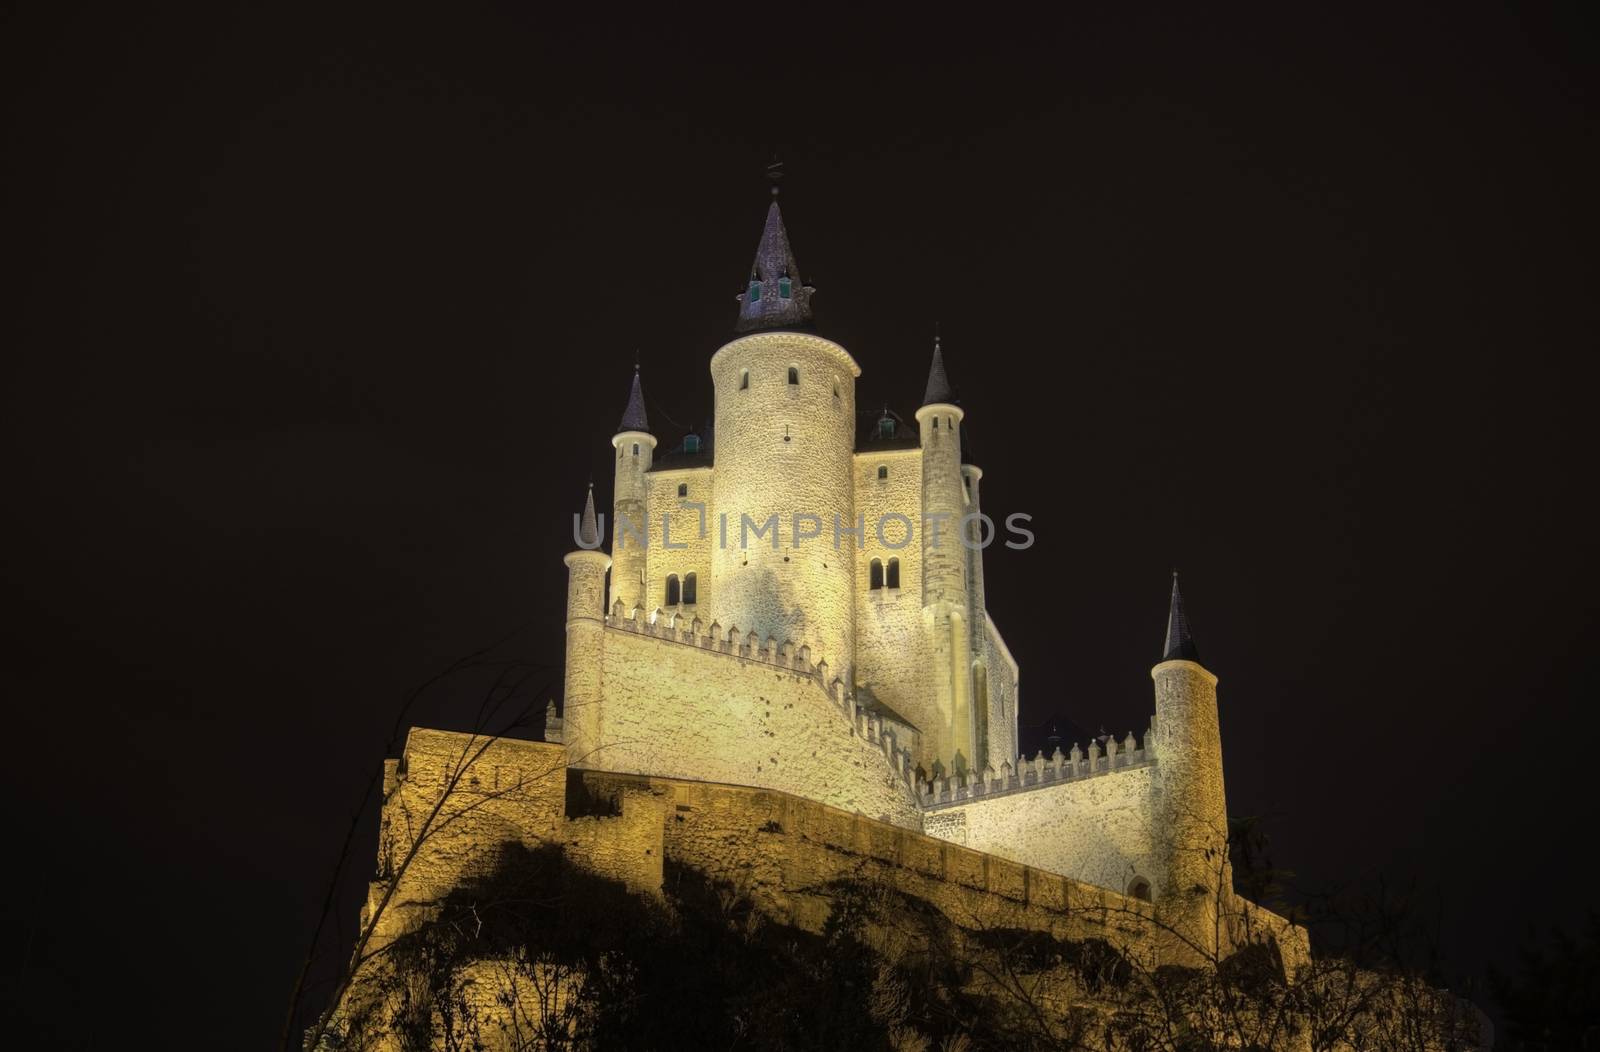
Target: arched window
point(689, 588)
point(636, 449)
point(894, 573)
point(1139, 888)
point(875, 575)
point(883, 471)
point(936, 423)
point(744, 379)
point(794, 375)
point(683, 489)
point(672, 590)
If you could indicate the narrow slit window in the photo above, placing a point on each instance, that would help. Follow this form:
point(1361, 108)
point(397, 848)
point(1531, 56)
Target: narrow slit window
point(794, 375)
point(744, 379)
point(894, 573)
point(672, 590)
point(689, 588)
point(936, 423)
point(636, 449)
point(883, 471)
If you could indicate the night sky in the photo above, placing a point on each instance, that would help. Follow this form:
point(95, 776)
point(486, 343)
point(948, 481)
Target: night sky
point(319, 322)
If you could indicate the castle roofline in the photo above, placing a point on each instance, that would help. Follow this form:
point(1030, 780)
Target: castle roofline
point(780, 336)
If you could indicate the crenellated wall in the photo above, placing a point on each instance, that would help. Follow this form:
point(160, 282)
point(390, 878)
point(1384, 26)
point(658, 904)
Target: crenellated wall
point(689, 700)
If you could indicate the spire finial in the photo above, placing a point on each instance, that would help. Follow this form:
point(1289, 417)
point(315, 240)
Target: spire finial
point(1179, 643)
point(588, 532)
point(634, 417)
point(775, 173)
point(938, 390)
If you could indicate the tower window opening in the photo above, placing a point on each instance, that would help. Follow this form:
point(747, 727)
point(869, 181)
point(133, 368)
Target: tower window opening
point(886, 428)
point(883, 471)
point(755, 290)
point(691, 443)
point(636, 449)
point(783, 288)
point(1139, 888)
point(936, 423)
point(673, 593)
point(744, 379)
point(683, 489)
point(950, 423)
point(794, 375)
point(894, 573)
point(875, 575)
point(689, 588)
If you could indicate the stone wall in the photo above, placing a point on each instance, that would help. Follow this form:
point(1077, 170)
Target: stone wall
point(743, 714)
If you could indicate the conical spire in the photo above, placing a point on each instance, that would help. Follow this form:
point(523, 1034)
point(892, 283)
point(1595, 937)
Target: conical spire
point(938, 382)
point(1179, 643)
point(633, 417)
point(588, 532)
point(774, 297)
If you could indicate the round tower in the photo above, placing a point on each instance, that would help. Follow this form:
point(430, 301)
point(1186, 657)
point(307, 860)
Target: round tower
point(785, 443)
point(1190, 815)
point(630, 516)
point(946, 606)
point(581, 708)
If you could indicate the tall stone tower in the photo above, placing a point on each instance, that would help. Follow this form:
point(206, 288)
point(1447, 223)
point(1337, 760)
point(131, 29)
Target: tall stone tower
point(582, 694)
point(1190, 814)
point(635, 449)
point(785, 434)
point(946, 601)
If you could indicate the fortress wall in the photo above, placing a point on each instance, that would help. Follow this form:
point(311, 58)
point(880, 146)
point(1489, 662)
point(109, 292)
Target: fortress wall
point(893, 661)
point(678, 709)
point(684, 529)
point(1096, 829)
point(784, 852)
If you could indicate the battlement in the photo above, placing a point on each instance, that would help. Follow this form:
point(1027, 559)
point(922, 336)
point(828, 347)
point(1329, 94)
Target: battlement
point(690, 631)
point(1041, 771)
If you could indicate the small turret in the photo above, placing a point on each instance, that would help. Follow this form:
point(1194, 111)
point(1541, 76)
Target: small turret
point(630, 527)
point(1191, 814)
point(586, 590)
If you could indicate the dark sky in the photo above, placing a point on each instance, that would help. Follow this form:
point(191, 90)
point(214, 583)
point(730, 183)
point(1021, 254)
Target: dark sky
point(320, 321)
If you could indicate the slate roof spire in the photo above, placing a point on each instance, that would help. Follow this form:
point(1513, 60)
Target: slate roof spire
point(1180, 644)
point(774, 297)
point(588, 532)
point(938, 381)
point(633, 417)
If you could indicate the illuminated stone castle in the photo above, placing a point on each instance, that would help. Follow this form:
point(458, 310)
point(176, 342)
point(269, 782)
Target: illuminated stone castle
point(784, 676)
point(796, 603)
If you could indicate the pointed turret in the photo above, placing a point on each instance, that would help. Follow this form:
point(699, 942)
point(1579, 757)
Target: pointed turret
point(938, 392)
point(634, 417)
point(774, 297)
point(1179, 644)
point(588, 531)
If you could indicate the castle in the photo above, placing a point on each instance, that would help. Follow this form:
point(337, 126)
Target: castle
point(784, 675)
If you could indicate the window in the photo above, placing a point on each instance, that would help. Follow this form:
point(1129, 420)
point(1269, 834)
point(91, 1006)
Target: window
point(886, 428)
point(744, 379)
point(672, 590)
point(783, 287)
point(950, 423)
point(794, 375)
point(894, 573)
point(875, 575)
point(683, 489)
point(755, 290)
point(689, 588)
point(1139, 888)
point(691, 443)
point(636, 449)
point(936, 423)
point(883, 471)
